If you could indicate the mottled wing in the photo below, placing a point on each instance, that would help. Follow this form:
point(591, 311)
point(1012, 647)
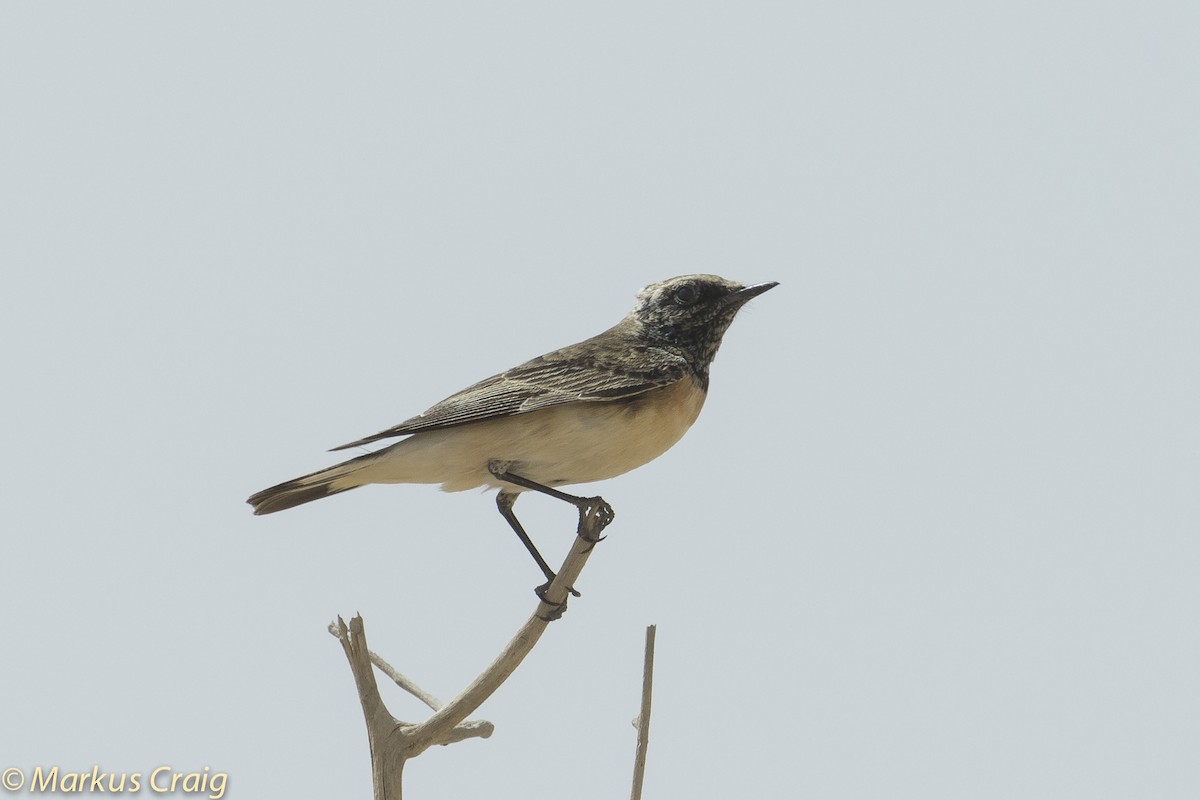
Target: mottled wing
point(592, 371)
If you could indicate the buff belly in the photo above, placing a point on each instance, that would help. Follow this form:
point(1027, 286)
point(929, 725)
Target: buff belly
point(567, 444)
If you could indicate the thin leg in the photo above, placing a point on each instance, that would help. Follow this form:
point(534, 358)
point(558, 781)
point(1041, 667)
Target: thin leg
point(586, 505)
point(504, 501)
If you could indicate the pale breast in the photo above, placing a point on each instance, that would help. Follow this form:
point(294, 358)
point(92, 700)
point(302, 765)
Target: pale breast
point(599, 443)
point(573, 443)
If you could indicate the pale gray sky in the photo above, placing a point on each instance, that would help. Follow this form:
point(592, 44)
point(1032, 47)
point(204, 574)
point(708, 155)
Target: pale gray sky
point(935, 534)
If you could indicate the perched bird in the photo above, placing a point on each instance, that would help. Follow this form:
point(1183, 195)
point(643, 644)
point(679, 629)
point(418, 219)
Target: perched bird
point(586, 412)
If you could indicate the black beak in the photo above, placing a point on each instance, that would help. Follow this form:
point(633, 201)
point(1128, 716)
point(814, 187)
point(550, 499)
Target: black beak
point(754, 291)
point(745, 294)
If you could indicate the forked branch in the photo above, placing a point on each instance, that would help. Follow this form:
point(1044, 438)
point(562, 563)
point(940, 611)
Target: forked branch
point(393, 741)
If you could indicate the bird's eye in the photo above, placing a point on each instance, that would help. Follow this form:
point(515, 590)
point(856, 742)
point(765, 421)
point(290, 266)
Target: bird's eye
point(686, 295)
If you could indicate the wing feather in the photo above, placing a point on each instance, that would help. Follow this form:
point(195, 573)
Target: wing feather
point(591, 371)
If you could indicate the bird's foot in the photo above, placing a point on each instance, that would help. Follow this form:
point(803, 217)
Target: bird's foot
point(540, 591)
point(595, 514)
point(553, 610)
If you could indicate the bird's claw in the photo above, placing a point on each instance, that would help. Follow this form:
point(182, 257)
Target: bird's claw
point(554, 610)
point(595, 514)
point(540, 591)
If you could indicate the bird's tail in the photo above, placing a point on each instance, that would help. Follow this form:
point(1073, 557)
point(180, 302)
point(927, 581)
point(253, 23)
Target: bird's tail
point(332, 480)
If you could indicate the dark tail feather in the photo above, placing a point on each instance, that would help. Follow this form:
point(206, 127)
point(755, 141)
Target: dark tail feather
point(286, 495)
point(305, 489)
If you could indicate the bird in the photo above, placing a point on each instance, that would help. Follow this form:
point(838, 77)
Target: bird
point(583, 413)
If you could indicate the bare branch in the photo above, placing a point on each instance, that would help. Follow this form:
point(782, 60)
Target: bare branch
point(393, 742)
point(397, 677)
point(384, 732)
point(642, 723)
point(551, 608)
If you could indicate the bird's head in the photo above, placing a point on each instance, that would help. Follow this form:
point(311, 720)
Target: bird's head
point(692, 312)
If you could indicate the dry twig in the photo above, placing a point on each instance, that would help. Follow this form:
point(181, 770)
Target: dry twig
point(642, 723)
point(392, 741)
